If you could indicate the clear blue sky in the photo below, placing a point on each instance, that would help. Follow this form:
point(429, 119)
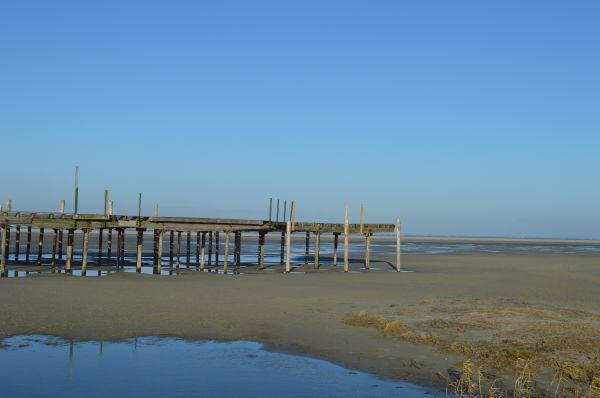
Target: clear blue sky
point(461, 117)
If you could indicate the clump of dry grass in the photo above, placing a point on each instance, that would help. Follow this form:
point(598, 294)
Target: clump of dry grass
point(385, 326)
point(472, 382)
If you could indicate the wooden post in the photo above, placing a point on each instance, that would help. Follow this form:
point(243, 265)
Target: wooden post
point(187, 250)
point(225, 259)
point(109, 244)
point(123, 246)
point(7, 244)
point(54, 243)
point(336, 236)
point(277, 213)
point(282, 248)
point(8, 207)
point(202, 251)
point(293, 215)
point(76, 190)
point(197, 250)
point(70, 239)
point(40, 246)
point(171, 247)
point(398, 244)
point(100, 236)
point(17, 243)
point(178, 248)
point(368, 249)
point(261, 250)
point(210, 248)
point(270, 208)
point(140, 242)
point(346, 232)
point(60, 246)
point(119, 237)
point(217, 247)
point(159, 250)
point(28, 247)
point(4, 256)
point(306, 250)
point(284, 210)
point(362, 217)
point(288, 235)
point(317, 247)
point(84, 254)
point(239, 248)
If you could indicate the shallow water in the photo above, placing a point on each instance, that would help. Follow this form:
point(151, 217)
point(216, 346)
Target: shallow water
point(41, 366)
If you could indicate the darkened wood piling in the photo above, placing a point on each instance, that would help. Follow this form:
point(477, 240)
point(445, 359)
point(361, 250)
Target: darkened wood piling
point(288, 234)
point(217, 246)
point(187, 249)
point(109, 244)
point(70, 242)
point(17, 243)
point(140, 243)
point(40, 246)
point(28, 247)
point(7, 244)
point(261, 250)
point(317, 248)
point(178, 248)
point(100, 236)
point(202, 251)
point(398, 244)
point(346, 238)
point(84, 253)
point(197, 250)
point(54, 244)
point(226, 257)
point(282, 248)
point(60, 245)
point(171, 247)
point(123, 246)
point(306, 250)
point(210, 248)
point(3, 257)
point(159, 251)
point(367, 250)
point(336, 236)
point(119, 238)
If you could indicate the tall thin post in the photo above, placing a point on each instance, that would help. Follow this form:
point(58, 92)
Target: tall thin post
point(171, 247)
point(109, 244)
point(284, 210)
point(119, 237)
point(336, 236)
point(362, 217)
point(317, 248)
point(40, 246)
point(270, 208)
point(217, 247)
point(202, 251)
point(159, 252)
point(105, 202)
point(140, 242)
point(84, 254)
point(225, 259)
point(277, 213)
point(261, 250)
point(288, 234)
point(187, 250)
point(346, 232)
point(7, 244)
point(70, 239)
point(368, 249)
point(3, 272)
point(76, 202)
point(28, 247)
point(17, 243)
point(306, 250)
point(178, 248)
point(54, 243)
point(398, 244)
point(123, 245)
point(197, 249)
point(100, 236)
point(293, 215)
point(282, 257)
point(210, 248)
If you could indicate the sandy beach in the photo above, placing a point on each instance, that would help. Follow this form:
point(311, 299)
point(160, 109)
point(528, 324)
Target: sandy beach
point(413, 326)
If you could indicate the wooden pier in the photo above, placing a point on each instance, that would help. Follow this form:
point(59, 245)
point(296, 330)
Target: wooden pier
point(107, 225)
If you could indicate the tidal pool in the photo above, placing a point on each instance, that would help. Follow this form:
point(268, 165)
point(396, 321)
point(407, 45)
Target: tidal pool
point(42, 366)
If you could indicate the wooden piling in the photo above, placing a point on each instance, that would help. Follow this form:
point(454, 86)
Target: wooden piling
point(202, 251)
point(70, 239)
point(346, 238)
point(293, 215)
point(84, 253)
point(362, 217)
point(210, 248)
point(60, 245)
point(178, 248)
point(277, 213)
point(306, 250)
point(171, 247)
point(54, 244)
point(336, 236)
point(4, 255)
point(159, 251)
point(261, 250)
point(197, 250)
point(238, 259)
point(398, 244)
point(109, 244)
point(119, 237)
point(40, 246)
point(288, 234)
point(225, 258)
point(123, 246)
point(140, 243)
point(28, 247)
point(7, 244)
point(187, 249)
point(282, 248)
point(367, 250)
point(217, 247)
point(100, 237)
point(317, 248)
point(17, 243)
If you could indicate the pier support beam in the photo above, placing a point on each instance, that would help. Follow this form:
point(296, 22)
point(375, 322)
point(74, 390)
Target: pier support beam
point(288, 234)
point(187, 250)
point(84, 253)
point(70, 239)
point(178, 249)
point(140, 243)
point(317, 248)
point(100, 236)
point(210, 248)
point(54, 244)
point(159, 251)
point(202, 251)
point(119, 239)
point(109, 244)
point(367, 249)
point(398, 244)
point(336, 236)
point(28, 247)
point(282, 248)
point(197, 250)
point(217, 247)
point(261, 250)
point(4, 255)
point(60, 246)
point(171, 247)
point(225, 258)
point(306, 250)
point(40, 246)
point(346, 232)
point(17, 243)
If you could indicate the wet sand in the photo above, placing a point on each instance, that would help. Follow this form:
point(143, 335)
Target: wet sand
point(305, 313)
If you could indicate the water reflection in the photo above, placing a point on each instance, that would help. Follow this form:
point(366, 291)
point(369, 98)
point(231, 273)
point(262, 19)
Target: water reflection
point(153, 367)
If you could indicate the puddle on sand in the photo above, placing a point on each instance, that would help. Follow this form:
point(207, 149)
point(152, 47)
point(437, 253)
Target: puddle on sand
point(158, 367)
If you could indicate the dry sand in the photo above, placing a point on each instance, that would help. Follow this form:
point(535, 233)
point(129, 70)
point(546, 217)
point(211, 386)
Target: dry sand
point(469, 297)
